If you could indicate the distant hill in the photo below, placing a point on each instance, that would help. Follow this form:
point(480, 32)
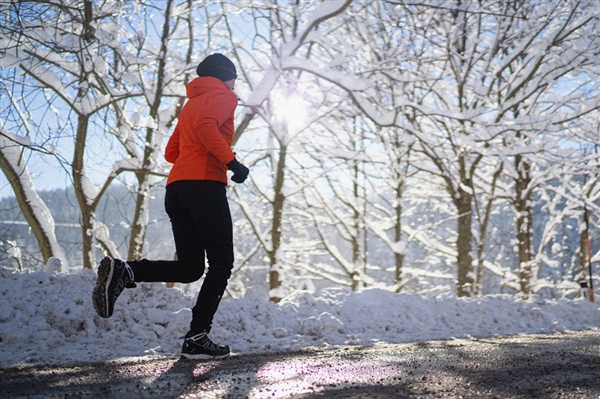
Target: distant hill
point(115, 210)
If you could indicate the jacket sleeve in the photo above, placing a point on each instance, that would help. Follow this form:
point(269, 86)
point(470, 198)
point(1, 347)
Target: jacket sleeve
point(172, 150)
point(215, 113)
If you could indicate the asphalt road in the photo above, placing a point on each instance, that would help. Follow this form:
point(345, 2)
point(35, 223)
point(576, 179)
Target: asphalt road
point(532, 366)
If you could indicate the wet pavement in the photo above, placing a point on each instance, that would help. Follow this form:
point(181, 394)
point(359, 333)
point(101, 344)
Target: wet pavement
point(527, 366)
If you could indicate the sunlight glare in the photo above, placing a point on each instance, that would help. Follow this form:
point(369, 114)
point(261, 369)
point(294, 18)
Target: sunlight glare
point(291, 112)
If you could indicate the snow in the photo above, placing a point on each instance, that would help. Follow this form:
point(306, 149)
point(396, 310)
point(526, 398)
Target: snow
point(54, 265)
point(48, 318)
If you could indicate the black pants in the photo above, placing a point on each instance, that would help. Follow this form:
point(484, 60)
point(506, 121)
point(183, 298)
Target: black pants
point(201, 223)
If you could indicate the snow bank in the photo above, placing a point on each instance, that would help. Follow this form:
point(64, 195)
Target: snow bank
point(48, 318)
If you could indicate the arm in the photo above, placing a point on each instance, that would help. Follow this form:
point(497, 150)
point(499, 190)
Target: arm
point(172, 150)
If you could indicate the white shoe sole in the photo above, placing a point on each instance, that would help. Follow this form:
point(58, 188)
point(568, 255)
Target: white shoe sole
point(100, 293)
point(203, 356)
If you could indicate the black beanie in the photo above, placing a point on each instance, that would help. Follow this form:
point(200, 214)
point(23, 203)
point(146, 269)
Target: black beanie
point(217, 66)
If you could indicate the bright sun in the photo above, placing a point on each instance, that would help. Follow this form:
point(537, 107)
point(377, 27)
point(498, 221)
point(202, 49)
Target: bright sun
point(290, 111)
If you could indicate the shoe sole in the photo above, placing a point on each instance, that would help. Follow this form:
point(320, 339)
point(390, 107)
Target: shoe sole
point(100, 293)
point(203, 357)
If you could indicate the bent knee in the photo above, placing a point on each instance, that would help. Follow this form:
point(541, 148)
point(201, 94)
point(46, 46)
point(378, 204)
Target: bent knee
point(220, 271)
point(192, 274)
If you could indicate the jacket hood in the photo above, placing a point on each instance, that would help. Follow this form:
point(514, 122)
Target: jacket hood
point(203, 84)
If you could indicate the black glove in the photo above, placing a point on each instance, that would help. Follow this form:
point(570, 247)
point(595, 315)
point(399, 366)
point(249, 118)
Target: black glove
point(240, 172)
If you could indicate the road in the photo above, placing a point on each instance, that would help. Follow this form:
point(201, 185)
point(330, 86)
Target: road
point(532, 366)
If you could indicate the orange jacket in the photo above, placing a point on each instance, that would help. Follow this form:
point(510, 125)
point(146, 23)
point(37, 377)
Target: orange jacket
point(200, 146)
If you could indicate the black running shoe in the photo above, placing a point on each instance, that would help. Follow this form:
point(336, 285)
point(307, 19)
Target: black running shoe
point(114, 276)
point(198, 346)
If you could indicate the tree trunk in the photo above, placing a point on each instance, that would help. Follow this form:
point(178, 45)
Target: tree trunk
point(524, 223)
point(81, 183)
point(278, 203)
point(398, 257)
point(86, 203)
point(524, 236)
point(583, 274)
point(355, 239)
point(32, 207)
point(584, 232)
point(140, 217)
point(137, 235)
point(484, 221)
point(463, 244)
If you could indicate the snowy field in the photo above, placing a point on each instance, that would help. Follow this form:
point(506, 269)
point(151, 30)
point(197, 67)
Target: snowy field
point(48, 318)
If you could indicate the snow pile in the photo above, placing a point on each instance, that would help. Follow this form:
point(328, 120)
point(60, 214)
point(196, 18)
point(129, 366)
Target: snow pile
point(48, 318)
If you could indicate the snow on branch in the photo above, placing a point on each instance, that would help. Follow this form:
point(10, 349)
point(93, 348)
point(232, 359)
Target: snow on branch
point(355, 86)
point(13, 164)
point(326, 10)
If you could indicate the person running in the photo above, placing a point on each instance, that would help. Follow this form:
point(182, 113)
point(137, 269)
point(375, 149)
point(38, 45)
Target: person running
point(196, 203)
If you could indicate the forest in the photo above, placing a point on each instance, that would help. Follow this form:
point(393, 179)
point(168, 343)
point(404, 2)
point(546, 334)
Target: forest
point(435, 146)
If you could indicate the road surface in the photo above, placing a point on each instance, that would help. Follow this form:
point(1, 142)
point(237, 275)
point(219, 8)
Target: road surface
point(528, 366)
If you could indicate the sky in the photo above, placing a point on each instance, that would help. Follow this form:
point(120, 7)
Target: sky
point(54, 311)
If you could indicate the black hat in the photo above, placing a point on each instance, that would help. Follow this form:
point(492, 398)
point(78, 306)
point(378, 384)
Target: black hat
point(217, 66)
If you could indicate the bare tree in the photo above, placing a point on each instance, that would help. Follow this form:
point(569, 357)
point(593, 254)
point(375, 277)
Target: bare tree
point(558, 46)
point(13, 162)
point(99, 68)
point(161, 80)
point(336, 202)
point(471, 106)
point(289, 33)
point(389, 205)
point(69, 48)
point(484, 75)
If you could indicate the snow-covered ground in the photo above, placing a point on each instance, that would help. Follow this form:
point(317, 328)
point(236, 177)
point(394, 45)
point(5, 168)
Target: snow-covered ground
point(48, 318)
